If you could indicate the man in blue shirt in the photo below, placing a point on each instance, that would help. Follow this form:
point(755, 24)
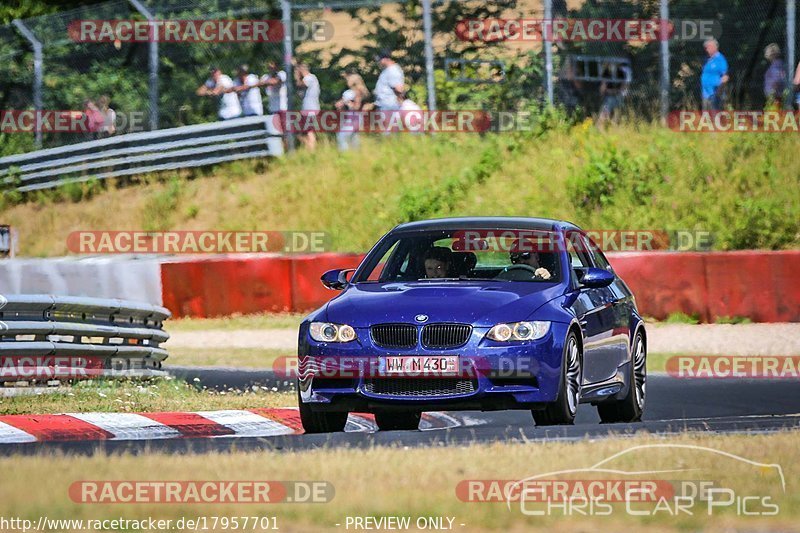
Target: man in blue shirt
point(714, 77)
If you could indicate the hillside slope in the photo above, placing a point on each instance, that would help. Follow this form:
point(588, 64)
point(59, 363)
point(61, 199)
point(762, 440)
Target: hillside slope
point(741, 187)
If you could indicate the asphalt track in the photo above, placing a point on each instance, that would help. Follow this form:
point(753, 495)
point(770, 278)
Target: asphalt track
point(674, 405)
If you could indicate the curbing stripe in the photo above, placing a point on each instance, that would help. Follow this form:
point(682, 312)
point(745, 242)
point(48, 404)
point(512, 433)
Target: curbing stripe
point(190, 425)
point(129, 426)
point(246, 423)
point(260, 422)
point(12, 435)
point(56, 427)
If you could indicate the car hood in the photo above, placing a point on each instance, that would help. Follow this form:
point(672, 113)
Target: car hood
point(480, 304)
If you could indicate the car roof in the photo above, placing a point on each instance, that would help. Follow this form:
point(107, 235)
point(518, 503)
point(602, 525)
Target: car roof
point(500, 223)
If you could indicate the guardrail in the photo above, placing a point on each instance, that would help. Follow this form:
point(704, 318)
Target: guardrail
point(144, 152)
point(45, 338)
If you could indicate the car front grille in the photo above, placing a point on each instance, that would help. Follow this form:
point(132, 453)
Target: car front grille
point(420, 387)
point(394, 335)
point(445, 335)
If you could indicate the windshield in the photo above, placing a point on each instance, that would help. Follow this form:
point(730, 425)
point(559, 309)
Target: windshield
point(463, 255)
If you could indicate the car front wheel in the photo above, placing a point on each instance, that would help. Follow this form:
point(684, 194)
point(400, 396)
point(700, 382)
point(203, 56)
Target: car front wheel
point(631, 407)
point(563, 410)
point(319, 421)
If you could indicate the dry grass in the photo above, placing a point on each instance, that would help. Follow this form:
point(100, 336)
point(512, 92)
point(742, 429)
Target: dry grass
point(227, 357)
point(417, 482)
point(235, 322)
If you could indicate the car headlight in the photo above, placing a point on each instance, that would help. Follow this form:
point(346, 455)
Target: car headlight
point(327, 332)
point(519, 331)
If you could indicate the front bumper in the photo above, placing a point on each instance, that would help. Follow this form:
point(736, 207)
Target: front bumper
point(516, 375)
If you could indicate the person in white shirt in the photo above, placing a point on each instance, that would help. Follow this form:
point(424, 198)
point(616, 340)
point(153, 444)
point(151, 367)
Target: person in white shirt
point(249, 92)
point(347, 136)
point(390, 84)
point(310, 106)
point(219, 85)
point(275, 83)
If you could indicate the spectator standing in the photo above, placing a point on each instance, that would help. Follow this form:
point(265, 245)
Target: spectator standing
point(774, 77)
point(249, 92)
point(390, 84)
point(219, 85)
point(310, 106)
point(356, 83)
point(275, 83)
point(109, 117)
point(348, 107)
point(94, 119)
point(714, 77)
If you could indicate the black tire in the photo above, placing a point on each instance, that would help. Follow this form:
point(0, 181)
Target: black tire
point(319, 421)
point(395, 421)
point(563, 410)
point(631, 407)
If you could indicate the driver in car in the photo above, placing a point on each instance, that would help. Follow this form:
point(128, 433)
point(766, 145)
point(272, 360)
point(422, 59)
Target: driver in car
point(526, 256)
point(437, 262)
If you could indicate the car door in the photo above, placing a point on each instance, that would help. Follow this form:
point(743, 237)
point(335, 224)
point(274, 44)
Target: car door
point(594, 308)
point(621, 306)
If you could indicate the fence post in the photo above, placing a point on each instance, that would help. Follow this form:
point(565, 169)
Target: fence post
point(548, 50)
point(288, 59)
point(664, 38)
point(37, 77)
point(427, 25)
point(791, 32)
point(153, 59)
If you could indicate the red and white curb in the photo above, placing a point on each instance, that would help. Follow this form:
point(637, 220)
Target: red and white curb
point(16, 429)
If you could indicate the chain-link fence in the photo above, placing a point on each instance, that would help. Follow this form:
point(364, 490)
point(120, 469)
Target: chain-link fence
point(157, 80)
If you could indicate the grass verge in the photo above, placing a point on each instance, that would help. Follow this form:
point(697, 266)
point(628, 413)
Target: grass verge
point(158, 394)
point(227, 357)
point(236, 322)
point(416, 482)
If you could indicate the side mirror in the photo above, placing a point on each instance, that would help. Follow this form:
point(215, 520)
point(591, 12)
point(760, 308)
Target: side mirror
point(336, 279)
point(595, 278)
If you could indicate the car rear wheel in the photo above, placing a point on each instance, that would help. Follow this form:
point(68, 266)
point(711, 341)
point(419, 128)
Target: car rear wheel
point(319, 421)
point(395, 421)
point(563, 410)
point(631, 407)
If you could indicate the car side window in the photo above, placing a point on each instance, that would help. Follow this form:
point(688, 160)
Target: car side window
point(576, 247)
point(377, 272)
point(599, 259)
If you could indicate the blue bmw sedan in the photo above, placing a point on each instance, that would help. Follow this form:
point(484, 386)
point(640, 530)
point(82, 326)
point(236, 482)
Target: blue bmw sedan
point(474, 314)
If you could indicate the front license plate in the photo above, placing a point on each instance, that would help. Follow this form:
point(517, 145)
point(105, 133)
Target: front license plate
point(419, 365)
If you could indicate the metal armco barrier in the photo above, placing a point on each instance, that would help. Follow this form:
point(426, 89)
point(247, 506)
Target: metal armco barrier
point(44, 338)
point(142, 153)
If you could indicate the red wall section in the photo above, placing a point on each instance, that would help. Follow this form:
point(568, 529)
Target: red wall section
point(759, 285)
point(762, 286)
point(227, 285)
point(665, 282)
